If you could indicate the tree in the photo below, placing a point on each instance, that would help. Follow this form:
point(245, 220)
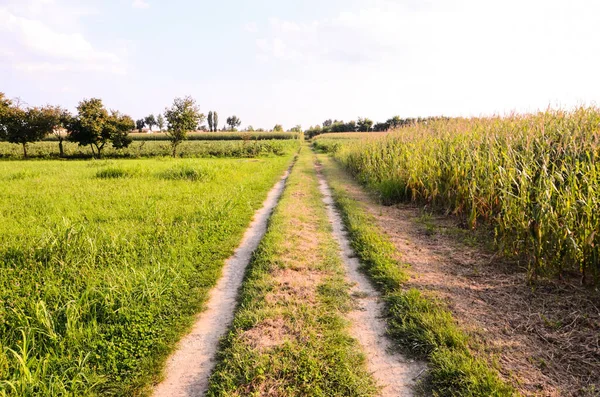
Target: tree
point(278, 128)
point(23, 126)
point(327, 123)
point(183, 116)
point(139, 124)
point(160, 122)
point(95, 127)
point(297, 128)
point(118, 127)
point(201, 121)
point(150, 121)
point(5, 107)
point(233, 122)
point(250, 128)
point(364, 125)
point(380, 127)
point(210, 121)
point(60, 119)
point(215, 122)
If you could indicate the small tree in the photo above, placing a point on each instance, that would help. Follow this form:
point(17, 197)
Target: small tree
point(23, 126)
point(60, 119)
point(364, 125)
point(250, 128)
point(160, 122)
point(210, 121)
point(297, 128)
point(95, 127)
point(150, 121)
point(233, 122)
point(117, 127)
point(183, 116)
point(215, 122)
point(139, 125)
point(278, 128)
point(5, 108)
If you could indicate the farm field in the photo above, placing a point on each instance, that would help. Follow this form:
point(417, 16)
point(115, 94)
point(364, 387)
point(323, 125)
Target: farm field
point(156, 148)
point(299, 199)
point(103, 264)
point(487, 215)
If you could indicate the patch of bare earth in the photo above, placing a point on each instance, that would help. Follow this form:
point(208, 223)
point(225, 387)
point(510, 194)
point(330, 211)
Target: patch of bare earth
point(545, 338)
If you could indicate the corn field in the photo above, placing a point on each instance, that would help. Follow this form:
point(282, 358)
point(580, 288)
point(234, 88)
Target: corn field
point(534, 178)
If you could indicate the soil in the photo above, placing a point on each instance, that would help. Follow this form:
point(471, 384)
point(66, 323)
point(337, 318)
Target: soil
point(395, 373)
point(189, 368)
point(544, 337)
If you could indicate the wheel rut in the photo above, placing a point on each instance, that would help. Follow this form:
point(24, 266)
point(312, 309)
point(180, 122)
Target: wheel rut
point(188, 369)
point(395, 373)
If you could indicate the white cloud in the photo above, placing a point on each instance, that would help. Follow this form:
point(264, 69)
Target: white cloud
point(140, 4)
point(37, 46)
point(464, 56)
point(251, 27)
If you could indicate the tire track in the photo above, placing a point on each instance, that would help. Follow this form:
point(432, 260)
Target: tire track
point(395, 373)
point(190, 366)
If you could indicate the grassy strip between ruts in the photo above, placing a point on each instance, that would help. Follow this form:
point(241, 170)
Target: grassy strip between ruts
point(289, 336)
point(417, 323)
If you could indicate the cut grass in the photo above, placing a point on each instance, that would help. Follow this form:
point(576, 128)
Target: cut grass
point(289, 336)
point(100, 275)
point(420, 324)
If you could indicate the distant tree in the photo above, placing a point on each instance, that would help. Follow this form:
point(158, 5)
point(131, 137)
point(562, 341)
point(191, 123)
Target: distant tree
point(201, 121)
point(215, 121)
point(150, 121)
point(210, 121)
point(327, 123)
point(160, 122)
point(183, 116)
point(203, 128)
point(95, 126)
point(364, 125)
point(313, 131)
point(250, 128)
point(60, 119)
point(380, 127)
point(297, 128)
point(233, 122)
point(5, 108)
point(140, 124)
point(278, 128)
point(118, 127)
point(395, 122)
point(23, 126)
point(260, 130)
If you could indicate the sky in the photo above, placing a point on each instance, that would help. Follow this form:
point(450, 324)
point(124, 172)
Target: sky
point(301, 62)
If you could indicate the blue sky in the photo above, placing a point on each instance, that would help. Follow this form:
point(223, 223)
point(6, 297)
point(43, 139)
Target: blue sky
point(301, 62)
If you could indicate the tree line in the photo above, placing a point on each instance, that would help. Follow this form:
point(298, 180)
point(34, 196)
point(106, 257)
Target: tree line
point(95, 126)
point(364, 125)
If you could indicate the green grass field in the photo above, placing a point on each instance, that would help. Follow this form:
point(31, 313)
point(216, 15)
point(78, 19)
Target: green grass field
point(103, 264)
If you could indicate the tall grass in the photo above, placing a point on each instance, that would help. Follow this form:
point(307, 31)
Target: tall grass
point(103, 264)
point(534, 178)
